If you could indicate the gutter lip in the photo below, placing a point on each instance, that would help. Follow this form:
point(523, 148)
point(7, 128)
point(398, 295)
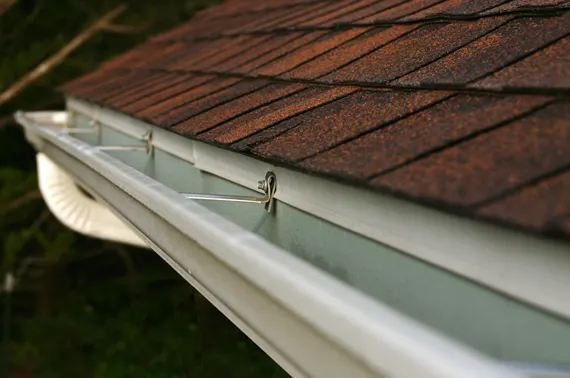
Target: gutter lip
point(357, 324)
point(525, 267)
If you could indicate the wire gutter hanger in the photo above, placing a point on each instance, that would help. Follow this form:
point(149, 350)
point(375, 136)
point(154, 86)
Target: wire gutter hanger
point(267, 185)
point(95, 127)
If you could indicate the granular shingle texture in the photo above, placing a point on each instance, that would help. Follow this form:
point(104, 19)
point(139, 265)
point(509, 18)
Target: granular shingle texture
point(456, 104)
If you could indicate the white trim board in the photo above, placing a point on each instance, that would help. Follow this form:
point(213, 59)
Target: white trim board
point(533, 270)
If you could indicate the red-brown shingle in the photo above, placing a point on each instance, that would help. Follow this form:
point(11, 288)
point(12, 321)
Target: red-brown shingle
point(197, 106)
point(421, 46)
point(455, 8)
point(453, 103)
point(490, 164)
point(549, 67)
point(334, 123)
point(497, 49)
point(189, 95)
point(420, 134)
point(278, 111)
point(308, 52)
point(347, 52)
point(535, 206)
point(279, 51)
point(226, 111)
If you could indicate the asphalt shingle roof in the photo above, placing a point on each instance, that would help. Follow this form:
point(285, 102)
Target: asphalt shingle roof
point(458, 104)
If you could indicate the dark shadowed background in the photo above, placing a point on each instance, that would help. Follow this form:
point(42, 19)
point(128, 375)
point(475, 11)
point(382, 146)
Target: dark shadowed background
point(83, 307)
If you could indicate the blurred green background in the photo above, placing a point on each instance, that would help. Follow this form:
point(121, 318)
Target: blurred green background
point(83, 307)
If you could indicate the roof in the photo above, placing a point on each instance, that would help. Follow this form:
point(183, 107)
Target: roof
point(458, 104)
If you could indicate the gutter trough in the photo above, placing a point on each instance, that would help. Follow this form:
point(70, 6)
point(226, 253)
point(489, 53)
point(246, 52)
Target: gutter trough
point(309, 322)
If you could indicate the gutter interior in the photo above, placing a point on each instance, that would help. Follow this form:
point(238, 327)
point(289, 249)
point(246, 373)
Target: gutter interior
point(496, 325)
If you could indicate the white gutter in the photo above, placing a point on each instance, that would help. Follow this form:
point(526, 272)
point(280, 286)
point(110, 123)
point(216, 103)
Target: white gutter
point(312, 324)
point(518, 265)
point(76, 210)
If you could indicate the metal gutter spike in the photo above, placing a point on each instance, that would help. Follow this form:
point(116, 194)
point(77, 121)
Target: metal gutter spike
point(267, 185)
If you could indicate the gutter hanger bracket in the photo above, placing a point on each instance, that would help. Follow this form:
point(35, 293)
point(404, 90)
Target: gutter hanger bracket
point(267, 185)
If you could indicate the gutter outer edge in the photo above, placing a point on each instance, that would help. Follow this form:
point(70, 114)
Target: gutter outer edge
point(386, 342)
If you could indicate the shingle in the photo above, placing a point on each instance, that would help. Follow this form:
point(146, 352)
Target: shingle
point(267, 134)
point(152, 80)
point(208, 28)
point(196, 106)
point(131, 56)
point(230, 48)
point(352, 12)
point(196, 51)
point(347, 52)
point(520, 5)
point(226, 111)
point(169, 92)
point(420, 134)
point(174, 33)
point(455, 8)
point(536, 206)
point(491, 52)
point(334, 123)
point(405, 9)
point(306, 53)
point(122, 84)
point(266, 47)
point(293, 17)
point(191, 94)
point(372, 7)
point(280, 50)
point(185, 51)
point(322, 11)
point(157, 87)
point(564, 225)
point(490, 164)
point(107, 78)
point(160, 56)
point(82, 83)
point(268, 19)
point(273, 113)
point(421, 46)
point(231, 8)
point(547, 68)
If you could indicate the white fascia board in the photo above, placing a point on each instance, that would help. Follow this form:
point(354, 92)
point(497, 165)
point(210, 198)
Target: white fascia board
point(312, 323)
point(525, 267)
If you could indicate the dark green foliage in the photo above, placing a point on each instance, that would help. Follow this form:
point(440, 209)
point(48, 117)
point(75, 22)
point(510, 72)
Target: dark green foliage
point(85, 308)
point(102, 331)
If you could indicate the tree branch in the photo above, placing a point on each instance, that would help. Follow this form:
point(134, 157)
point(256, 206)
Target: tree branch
point(59, 56)
point(126, 29)
point(5, 5)
point(21, 201)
